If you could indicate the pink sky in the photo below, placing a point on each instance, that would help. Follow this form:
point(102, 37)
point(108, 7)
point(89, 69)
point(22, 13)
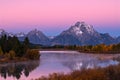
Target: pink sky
point(58, 13)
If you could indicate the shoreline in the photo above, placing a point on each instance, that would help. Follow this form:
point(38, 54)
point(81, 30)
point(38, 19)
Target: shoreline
point(101, 56)
point(5, 60)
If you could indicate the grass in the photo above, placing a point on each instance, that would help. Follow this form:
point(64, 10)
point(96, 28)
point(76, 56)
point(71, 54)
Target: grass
point(108, 73)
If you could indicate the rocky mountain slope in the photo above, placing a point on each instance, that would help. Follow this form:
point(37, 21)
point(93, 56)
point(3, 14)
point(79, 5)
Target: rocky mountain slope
point(82, 34)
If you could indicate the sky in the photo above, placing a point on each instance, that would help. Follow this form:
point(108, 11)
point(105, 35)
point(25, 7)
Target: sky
point(54, 16)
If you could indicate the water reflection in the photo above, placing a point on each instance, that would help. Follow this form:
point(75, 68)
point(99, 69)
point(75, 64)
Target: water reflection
point(88, 64)
point(76, 61)
point(18, 69)
point(52, 62)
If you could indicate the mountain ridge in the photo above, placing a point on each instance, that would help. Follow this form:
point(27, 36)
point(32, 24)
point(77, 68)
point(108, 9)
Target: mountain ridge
point(78, 34)
point(85, 35)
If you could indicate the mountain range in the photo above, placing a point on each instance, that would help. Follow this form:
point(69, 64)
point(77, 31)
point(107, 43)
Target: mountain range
point(78, 34)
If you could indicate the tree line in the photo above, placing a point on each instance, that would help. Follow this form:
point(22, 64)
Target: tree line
point(11, 47)
point(100, 48)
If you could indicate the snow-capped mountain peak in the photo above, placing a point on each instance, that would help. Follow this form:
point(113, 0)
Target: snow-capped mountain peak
point(11, 34)
point(82, 34)
point(21, 34)
point(2, 31)
point(78, 24)
point(77, 30)
point(37, 37)
point(35, 31)
point(84, 27)
point(81, 28)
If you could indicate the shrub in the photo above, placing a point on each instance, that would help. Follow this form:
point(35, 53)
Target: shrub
point(108, 73)
point(33, 54)
point(10, 55)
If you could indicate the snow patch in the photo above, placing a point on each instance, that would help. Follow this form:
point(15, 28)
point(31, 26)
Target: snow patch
point(11, 35)
point(89, 28)
point(77, 31)
point(20, 34)
point(1, 31)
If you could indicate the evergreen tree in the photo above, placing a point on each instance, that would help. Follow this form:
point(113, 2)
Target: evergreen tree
point(3, 43)
point(26, 42)
point(1, 52)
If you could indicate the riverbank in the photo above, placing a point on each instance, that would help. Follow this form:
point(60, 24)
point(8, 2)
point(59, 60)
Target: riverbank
point(31, 54)
point(16, 59)
point(108, 73)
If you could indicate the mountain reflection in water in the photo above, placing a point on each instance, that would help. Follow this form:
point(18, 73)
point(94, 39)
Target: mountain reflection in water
point(18, 69)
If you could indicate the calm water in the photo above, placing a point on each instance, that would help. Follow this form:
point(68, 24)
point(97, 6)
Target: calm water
point(51, 62)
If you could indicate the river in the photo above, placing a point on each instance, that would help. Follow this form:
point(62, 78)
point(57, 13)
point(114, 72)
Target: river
point(53, 62)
